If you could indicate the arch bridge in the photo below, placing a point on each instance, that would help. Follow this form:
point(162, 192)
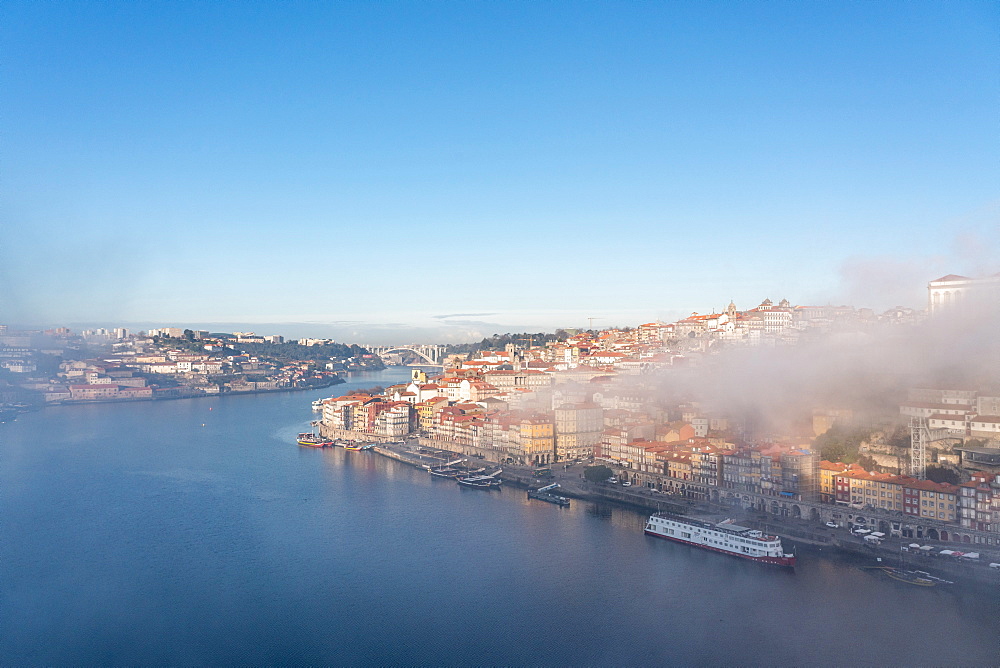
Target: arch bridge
point(431, 353)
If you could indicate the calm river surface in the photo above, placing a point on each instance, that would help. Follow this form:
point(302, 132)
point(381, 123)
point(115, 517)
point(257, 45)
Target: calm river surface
point(197, 532)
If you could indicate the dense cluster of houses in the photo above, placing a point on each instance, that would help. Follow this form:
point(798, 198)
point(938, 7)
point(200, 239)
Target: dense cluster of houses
point(586, 398)
point(150, 375)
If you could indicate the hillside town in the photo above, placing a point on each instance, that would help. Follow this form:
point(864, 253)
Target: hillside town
point(929, 467)
point(58, 366)
point(925, 462)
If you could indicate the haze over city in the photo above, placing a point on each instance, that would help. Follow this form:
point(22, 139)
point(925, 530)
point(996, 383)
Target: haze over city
point(432, 171)
point(499, 333)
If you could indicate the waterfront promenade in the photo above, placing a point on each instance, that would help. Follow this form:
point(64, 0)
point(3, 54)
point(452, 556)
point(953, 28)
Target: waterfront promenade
point(644, 500)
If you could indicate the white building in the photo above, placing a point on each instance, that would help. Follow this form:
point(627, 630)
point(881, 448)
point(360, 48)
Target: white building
point(954, 293)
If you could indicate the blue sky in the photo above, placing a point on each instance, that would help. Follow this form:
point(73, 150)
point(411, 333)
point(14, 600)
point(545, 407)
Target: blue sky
point(367, 168)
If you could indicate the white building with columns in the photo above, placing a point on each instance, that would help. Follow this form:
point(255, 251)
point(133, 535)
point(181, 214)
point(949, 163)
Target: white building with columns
point(961, 294)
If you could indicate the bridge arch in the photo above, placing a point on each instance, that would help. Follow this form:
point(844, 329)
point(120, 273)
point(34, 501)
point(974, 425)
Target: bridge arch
point(430, 353)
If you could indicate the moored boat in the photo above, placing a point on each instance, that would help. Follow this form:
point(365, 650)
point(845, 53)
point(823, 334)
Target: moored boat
point(359, 446)
point(312, 440)
point(910, 577)
point(725, 537)
point(490, 481)
point(447, 470)
point(548, 497)
point(478, 483)
point(544, 494)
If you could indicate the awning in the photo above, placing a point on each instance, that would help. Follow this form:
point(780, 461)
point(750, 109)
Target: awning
point(915, 546)
point(926, 548)
point(972, 555)
point(947, 552)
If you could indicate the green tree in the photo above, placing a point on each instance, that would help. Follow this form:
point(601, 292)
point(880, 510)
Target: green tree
point(499, 341)
point(598, 473)
point(841, 444)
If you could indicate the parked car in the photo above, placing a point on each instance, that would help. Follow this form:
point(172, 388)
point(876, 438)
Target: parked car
point(613, 481)
point(626, 484)
point(833, 525)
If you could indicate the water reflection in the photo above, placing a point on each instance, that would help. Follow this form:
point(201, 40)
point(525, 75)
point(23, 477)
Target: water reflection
point(131, 534)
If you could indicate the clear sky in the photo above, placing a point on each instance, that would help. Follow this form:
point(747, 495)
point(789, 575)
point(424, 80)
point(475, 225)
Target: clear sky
point(465, 168)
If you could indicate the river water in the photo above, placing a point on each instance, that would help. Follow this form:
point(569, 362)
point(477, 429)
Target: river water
point(197, 532)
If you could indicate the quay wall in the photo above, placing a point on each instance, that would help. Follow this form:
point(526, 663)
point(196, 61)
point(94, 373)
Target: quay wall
point(814, 511)
point(797, 529)
point(487, 454)
point(803, 520)
point(350, 435)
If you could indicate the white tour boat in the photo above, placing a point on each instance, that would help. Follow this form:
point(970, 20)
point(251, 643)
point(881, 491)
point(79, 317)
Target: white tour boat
point(725, 537)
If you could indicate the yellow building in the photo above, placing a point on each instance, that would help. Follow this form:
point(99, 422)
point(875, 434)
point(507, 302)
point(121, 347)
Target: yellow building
point(426, 410)
point(938, 504)
point(827, 473)
point(923, 498)
point(877, 490)
point(537, 440)
point(678, 466)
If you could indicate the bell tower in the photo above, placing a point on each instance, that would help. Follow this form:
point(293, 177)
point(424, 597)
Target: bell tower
point(731, 310)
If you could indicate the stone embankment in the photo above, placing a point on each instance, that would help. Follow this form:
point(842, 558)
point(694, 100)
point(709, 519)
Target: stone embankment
point(640, 499)
point(348, 435)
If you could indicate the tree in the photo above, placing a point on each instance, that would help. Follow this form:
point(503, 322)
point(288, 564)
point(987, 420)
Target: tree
point(499, 341)
point(598, 473)
point(866, 462)
point(939, 474)
point(841, 444)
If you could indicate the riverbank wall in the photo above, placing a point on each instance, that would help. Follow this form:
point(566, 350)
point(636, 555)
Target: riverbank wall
point(795, 531)
point(357, 436)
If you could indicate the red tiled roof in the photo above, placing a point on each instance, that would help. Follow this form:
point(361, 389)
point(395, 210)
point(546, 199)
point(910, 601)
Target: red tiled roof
point(986, 418)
